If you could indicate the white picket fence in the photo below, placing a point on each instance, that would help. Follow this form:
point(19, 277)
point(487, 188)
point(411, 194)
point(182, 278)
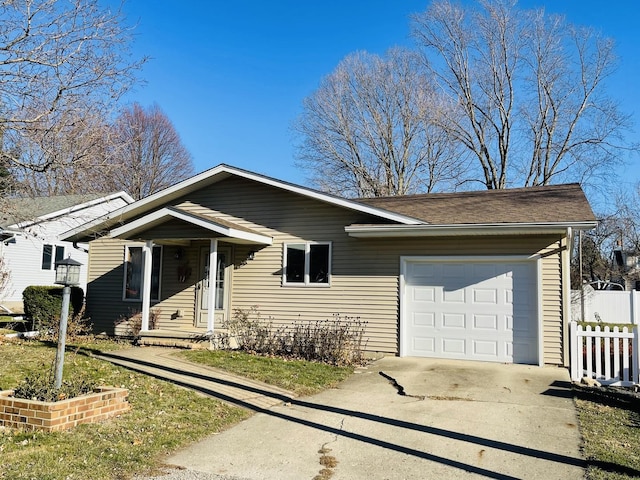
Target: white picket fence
point(607, 355)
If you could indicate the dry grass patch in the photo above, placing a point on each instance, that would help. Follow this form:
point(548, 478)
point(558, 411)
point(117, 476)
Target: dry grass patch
point(611, 437)
point(163, 418)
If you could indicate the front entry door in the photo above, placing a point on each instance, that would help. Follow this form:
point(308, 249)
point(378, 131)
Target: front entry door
point(221, 286)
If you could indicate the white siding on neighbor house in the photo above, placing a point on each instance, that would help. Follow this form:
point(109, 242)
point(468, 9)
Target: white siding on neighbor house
point(23, 257)
point(23, 253)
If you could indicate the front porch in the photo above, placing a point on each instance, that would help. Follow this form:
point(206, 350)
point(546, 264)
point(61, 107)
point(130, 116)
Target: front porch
point(198, 252)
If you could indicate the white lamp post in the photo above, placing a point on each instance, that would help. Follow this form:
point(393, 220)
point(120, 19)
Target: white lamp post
point(67, 274)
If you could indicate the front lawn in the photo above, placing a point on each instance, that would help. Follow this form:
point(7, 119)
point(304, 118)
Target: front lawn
point(611, 436)
point(162, 419)
point(299, 376)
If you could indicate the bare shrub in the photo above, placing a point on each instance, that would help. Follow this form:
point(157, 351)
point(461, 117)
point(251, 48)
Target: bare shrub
point(339, 341)
point(77, 326)
point(132, 322)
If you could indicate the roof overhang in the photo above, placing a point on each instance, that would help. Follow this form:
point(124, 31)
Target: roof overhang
point(396, 231)
point(215, 227)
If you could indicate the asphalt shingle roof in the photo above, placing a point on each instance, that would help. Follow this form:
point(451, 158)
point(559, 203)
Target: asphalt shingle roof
point(546, 204)
point(16, 210)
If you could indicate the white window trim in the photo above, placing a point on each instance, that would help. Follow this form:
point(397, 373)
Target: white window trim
point(124, 273)
point(54, 252)
point(307, 264)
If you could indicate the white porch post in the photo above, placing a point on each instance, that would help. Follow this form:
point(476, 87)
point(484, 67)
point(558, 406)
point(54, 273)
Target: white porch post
point(147, 260)
point(213, 275)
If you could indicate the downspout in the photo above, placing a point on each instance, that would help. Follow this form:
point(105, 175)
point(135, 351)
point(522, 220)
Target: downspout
point(78, 247)
point(566, 294)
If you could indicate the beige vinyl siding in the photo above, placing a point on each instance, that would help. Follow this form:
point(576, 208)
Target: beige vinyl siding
point(104, 285)
point(364, 278)
point(552, 328)
point(105, 282)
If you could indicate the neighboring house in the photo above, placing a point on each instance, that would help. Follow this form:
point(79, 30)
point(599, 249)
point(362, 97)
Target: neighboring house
point(626, 269)
point(30, 246)
point(472, 275)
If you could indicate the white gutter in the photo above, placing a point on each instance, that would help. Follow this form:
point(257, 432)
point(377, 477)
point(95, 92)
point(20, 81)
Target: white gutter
point(385, 231)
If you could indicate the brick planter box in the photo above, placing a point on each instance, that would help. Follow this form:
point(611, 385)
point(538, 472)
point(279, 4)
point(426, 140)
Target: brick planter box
point(104, 403)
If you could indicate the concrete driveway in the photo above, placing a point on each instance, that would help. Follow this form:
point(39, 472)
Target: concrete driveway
point(455, 420)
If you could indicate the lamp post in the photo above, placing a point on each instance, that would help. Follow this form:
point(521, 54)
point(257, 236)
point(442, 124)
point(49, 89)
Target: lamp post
point(67, 274)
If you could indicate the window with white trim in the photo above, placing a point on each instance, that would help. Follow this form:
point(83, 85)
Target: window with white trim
point(133, 272)
point(307, 263)
point(48, 258)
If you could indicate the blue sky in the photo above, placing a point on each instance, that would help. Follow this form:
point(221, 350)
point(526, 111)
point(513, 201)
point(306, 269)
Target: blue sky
point(231, 75)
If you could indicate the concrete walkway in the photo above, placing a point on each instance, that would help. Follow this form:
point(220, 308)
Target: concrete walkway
point(397, 419)
point(161, 362)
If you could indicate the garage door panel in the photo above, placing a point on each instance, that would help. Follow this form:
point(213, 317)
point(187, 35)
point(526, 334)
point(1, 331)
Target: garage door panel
point(424, 345)
point(424, 294)
point(485, 348)
point(453, 320)
point(453, 346)
point(425, 319)
point(485, 295)
point(485, 322)
point(474, 310)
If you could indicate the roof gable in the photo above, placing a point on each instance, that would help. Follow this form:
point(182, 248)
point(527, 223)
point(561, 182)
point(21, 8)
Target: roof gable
point(211, 177)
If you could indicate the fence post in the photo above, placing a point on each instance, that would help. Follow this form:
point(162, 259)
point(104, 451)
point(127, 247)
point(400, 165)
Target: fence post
point(573, 336)
point(635, 342)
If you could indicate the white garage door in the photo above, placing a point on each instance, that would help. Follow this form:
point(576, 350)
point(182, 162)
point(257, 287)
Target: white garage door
point(470, 309)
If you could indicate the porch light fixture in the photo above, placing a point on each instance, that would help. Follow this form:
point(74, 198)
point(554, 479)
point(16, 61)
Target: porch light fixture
point(67, 274)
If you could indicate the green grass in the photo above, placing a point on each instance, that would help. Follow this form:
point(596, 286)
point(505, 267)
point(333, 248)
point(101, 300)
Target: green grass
point(162, 419)
point(611, 440)
point(299, 376)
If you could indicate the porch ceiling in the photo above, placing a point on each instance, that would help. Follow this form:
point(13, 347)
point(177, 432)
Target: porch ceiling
point(206, 226)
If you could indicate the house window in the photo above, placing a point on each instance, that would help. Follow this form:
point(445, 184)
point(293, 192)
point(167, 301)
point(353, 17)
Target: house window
point(307, 263)
point(48, 258)
point(133, 273)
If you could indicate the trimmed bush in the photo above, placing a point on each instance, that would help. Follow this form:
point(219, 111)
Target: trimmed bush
point(43, 304)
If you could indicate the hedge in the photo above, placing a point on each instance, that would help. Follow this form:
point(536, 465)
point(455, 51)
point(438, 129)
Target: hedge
point(43, 304)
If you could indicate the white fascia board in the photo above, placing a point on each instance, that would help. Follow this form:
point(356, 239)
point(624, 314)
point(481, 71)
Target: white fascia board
point(381, 231)
point(159, 216)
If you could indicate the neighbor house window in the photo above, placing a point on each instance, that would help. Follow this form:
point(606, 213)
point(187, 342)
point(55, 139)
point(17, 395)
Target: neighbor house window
point(307, 263)
point(51, 254)
point(133, 272)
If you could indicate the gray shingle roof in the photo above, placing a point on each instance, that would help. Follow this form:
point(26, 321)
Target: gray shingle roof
point(16, 210)
point(547, 204)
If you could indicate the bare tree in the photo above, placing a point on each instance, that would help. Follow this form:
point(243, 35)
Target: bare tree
point(372, 129)
point(56, 59)
point(75, 149)
point(529, 91)
point(147, 154)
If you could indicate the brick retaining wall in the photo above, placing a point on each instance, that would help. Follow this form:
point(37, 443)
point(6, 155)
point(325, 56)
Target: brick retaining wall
point(104, 403)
